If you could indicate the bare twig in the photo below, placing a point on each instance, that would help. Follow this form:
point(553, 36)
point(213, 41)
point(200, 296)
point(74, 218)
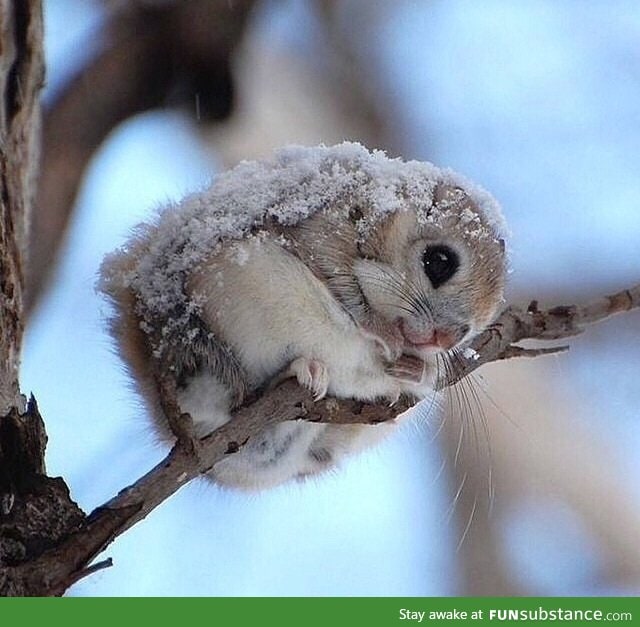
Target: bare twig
point(521, 351)
point(94, 568)
point(516, 324)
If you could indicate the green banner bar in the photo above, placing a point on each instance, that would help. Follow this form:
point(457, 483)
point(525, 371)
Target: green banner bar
point(401, 612)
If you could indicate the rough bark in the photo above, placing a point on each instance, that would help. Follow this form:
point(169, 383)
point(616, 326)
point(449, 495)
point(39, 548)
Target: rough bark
point(36, 511)
point(21, 75)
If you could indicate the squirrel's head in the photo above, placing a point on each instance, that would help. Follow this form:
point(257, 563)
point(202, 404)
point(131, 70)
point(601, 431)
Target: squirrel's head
point(437, 274)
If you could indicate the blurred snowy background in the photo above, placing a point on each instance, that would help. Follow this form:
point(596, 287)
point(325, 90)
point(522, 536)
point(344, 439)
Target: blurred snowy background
point(537, 101)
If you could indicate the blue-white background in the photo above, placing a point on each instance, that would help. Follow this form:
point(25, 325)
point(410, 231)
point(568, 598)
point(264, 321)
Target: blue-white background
point(538, 101)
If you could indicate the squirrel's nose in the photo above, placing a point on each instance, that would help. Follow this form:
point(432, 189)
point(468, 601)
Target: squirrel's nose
point(444, 339)
point(448, 338)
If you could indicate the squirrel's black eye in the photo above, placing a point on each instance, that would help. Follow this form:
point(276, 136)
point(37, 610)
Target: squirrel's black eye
point(440, 264)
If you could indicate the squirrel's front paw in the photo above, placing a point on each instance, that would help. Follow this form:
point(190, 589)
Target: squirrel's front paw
point(386, 335)
point(312, 374)
point(407, 368)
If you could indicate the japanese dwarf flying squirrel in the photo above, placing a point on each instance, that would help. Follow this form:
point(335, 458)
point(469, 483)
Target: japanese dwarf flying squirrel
point(347, 269)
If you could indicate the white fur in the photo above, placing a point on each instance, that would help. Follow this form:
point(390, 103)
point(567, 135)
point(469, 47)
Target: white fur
point(206, 400)
point(295, 320)
point(359, 224)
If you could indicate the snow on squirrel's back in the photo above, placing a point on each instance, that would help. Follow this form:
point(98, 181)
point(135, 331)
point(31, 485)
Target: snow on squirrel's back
point(294, 184)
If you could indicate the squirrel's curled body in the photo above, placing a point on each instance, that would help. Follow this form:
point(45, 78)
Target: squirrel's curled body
point(343, 299)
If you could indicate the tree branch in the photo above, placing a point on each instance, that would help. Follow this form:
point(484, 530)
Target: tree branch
point(46, 542)
point(516, 324)
point(54, 571)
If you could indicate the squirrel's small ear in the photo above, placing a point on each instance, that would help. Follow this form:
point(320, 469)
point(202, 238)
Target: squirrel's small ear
point(502, 245)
